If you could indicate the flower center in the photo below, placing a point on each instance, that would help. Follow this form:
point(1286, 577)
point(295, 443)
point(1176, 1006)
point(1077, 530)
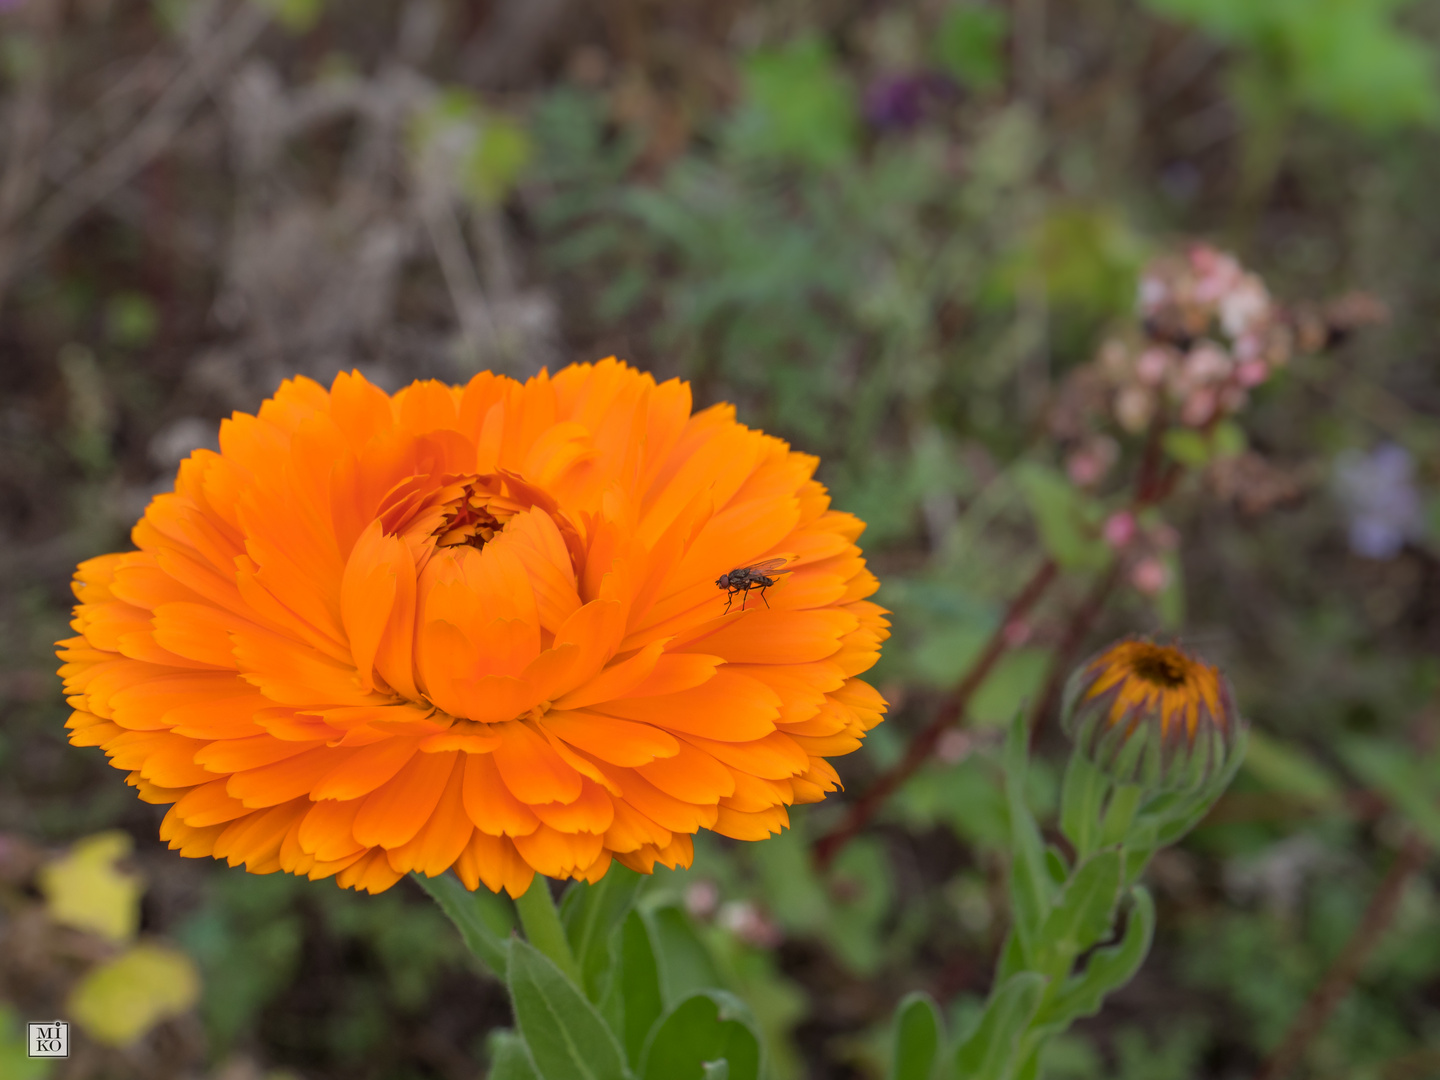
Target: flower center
point(1160, 665)
point(475, 518)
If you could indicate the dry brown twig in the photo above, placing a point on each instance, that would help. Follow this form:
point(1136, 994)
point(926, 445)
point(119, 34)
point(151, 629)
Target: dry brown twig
point(53, 217)
point(950, 712)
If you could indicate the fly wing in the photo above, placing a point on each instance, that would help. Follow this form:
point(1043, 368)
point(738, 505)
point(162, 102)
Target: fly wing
point(768, 567)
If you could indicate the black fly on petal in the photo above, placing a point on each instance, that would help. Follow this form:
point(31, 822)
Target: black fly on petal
point(744, 578)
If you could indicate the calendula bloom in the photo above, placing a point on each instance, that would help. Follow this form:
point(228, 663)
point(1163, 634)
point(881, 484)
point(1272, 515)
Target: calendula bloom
point(477, 627)
point(1152, 714)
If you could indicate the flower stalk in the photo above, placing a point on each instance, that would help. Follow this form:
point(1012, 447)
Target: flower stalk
point(543, 929)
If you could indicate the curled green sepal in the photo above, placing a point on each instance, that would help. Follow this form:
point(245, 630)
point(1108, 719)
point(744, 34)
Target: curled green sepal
point(483, 918)
point(991, 1050)
point(1107, 970)
point(917, 1033)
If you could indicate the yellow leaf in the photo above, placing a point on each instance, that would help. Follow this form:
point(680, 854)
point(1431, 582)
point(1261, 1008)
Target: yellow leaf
point(86, 890)
point(123, 998)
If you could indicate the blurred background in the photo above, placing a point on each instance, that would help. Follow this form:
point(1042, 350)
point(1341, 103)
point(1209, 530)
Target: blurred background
point(890, 233)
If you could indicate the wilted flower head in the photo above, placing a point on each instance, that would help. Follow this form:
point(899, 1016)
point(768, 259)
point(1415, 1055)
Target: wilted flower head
point(1151, 714)
point(477, 627)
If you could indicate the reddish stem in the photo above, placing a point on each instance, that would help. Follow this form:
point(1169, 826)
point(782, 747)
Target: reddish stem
point(1074, 637)
point(1346, 968)
point(951, 710)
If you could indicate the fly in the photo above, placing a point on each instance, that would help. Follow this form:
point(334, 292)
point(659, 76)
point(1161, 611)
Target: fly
point(744, 578)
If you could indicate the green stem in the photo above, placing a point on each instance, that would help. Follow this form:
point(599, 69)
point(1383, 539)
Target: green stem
point(542, 926)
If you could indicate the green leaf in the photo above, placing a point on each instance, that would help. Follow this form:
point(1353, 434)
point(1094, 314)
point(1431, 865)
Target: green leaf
point(971, 44)
point(1066, 518)
point(1031, 888)
point(917, 1032)
point(590, 914)
point(123, 998)
point(87, 889)
point(509, 1058)
point(716, 1070)
point(1291, 770)
point(990, 1052)
point(1082, 912)
point(483, 918)
point(1348, 59)
point(498, 157)
point(635, 999)
point(801, 105)
point(686, 965)
point(297, 16)
point(705, 1027)
point(1401, 776)
point(1187, 446)
point(567, 1038)
point(15, 1060)
point(1228, 439)
point(1108, 969)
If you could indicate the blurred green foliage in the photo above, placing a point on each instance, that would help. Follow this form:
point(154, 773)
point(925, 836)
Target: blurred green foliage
point(901, 296)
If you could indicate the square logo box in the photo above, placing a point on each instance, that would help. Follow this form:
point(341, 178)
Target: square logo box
point(50, 1040)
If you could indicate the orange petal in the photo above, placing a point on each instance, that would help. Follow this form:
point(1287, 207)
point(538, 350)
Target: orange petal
point(488, 801)
point(760, 636)
point(394, 812)
point(531, 769)
point(494, 860)
point(284, 780)
point(692, 775)
point(366, 769)
point(593, 812)
point(620, 742)
point(730, 707)
point(441, 839)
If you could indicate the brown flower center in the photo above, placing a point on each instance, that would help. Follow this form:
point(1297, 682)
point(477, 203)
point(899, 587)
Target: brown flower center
point(1160, 665)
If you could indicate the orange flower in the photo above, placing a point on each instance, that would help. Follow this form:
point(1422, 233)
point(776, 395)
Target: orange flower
point(477, 627)
point(1152, 713)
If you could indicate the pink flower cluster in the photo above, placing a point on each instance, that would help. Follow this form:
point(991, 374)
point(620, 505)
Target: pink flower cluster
point(1144, 545)
point(1211, 334)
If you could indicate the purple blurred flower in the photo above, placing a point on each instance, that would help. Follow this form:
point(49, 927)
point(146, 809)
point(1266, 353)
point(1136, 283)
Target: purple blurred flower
point(1382, 506)
point(898, 102)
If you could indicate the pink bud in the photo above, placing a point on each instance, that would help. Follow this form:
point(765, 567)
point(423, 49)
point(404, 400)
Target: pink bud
point(701, 898)
point(1199, 407)
point(1252, 373)
point(1164, 536)
point(1149, 576)
point(953, 747)
point(1119, 529)
point(1152, 366)
point(1083, 468)
point(1017, 633)
point(1134, 405)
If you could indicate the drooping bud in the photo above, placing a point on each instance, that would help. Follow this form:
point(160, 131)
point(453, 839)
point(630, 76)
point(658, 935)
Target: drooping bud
point(1152, 715)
